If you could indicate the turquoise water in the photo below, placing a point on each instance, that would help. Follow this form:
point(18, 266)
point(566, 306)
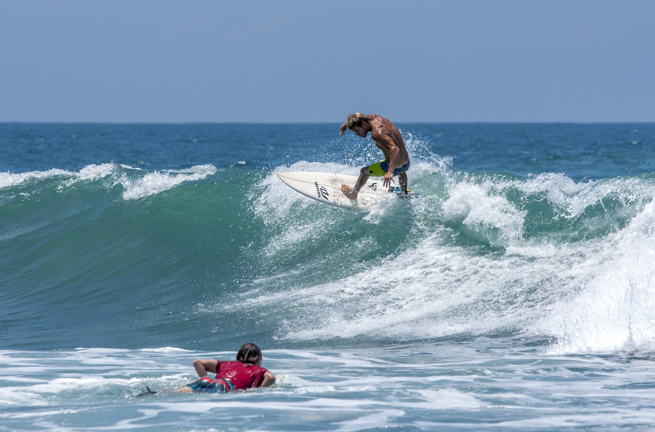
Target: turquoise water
point(519, 297)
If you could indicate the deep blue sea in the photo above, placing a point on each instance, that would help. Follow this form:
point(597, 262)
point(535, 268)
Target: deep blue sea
point(517, 293)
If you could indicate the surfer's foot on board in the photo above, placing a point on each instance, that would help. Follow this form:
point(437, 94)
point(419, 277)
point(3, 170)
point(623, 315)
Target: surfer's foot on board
point(350, 193)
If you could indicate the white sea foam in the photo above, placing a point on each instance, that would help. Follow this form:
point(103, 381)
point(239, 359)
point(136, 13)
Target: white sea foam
point(165, 350)
point(433, 290)
point(416, 386)
point(592, 295)
point(281, 242)
point(95, 172)
point(447, 399)
point(571, 199)
point(616, 309)
point(91, 172)
point(134, 183)
point(484, 214)
point(45, 413)
point(157, 182)
point(8, 179)
point(377, 420)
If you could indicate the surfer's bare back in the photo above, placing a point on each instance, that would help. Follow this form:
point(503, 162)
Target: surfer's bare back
point(388, 139)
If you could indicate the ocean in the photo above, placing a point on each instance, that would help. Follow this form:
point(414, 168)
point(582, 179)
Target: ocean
point(517, 293)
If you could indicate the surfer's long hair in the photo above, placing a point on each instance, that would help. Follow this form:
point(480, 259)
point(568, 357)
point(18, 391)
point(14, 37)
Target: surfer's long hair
point(249, 353)
point(356, 119)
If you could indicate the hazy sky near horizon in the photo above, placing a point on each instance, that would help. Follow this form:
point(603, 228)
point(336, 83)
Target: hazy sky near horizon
point(311, 61)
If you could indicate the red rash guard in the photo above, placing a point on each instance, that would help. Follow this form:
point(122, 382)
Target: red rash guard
point(242, 376)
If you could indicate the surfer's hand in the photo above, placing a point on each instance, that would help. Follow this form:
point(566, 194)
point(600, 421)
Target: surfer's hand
point(388, 178)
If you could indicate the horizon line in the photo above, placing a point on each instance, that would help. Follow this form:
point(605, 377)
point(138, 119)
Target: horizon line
point(311, 123)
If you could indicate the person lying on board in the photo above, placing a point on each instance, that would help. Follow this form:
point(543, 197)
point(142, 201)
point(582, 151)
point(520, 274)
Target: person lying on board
point(388, 139)
point(242, 374)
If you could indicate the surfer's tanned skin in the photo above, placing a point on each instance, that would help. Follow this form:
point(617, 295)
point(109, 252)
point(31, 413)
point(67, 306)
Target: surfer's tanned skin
point(388, 139)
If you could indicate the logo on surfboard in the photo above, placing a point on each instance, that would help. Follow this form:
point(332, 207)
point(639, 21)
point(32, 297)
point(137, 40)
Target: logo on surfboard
point(321, 191)
point(373, 186)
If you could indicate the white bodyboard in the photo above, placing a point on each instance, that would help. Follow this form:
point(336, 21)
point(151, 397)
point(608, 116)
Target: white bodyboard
point(326, 188)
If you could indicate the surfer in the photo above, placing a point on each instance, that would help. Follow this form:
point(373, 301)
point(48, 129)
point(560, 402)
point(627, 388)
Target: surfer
point(388, 139)
point(242, 374)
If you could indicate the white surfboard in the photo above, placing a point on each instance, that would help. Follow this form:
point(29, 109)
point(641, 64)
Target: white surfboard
point(326, 187)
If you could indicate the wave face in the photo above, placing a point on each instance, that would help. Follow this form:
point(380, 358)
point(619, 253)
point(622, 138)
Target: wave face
point(133, 236)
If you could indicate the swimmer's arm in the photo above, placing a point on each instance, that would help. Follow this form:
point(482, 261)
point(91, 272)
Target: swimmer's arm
point(269, 380)
point(203, 366)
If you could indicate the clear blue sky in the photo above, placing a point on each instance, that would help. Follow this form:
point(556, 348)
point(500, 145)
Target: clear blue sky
point(317, 61)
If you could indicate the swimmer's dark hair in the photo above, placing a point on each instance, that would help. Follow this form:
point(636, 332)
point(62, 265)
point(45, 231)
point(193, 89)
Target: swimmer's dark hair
point(249, 353)
point(356, 120)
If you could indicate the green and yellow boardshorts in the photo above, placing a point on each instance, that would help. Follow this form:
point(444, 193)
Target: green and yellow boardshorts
point(381, 168)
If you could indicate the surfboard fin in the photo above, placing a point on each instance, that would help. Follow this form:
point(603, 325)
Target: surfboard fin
point(139, 395)
point(146, 392)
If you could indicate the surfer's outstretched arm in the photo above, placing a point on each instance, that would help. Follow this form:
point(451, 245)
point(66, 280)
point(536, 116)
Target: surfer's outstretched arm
point(391, 151)
point(344, 127)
